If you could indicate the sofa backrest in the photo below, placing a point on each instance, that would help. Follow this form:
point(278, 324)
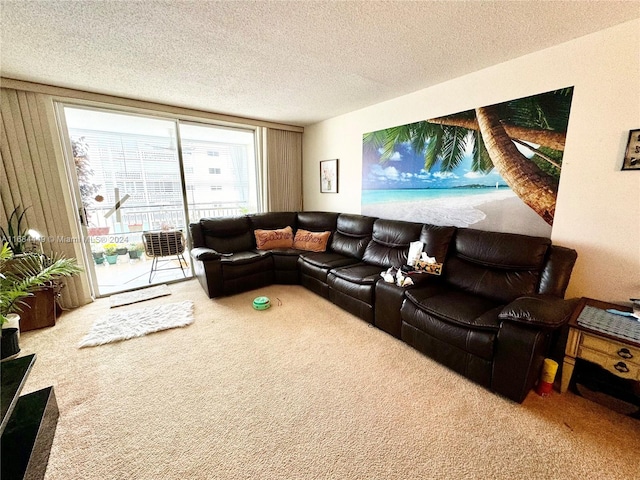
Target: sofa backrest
point(353, 233)
point(228, 235)
point(197, 237)
point(273, 220)
point(318, 221)
point(436, 241)
point(389, 245)
point(557, 271)
point(499, 266)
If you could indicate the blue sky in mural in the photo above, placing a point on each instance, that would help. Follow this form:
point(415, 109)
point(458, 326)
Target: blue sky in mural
point(405, 170)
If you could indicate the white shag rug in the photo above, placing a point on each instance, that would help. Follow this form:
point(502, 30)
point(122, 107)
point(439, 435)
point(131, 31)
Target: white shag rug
point(128, 324)
point(136, 296)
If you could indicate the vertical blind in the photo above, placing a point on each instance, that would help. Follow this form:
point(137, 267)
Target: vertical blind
point(283, 170)
point(33, 178)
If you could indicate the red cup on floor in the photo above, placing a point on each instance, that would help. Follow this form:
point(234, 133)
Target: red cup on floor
point(544, 388)
point(547, 376)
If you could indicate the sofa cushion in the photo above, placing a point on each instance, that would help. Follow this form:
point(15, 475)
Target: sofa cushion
point(246, 264)
point(314, 271)
point(243, 258)
point(318, 264)
point(361, 273)
point(357, 282)
point(270, 239)
point(353, 233)
point(285, 266)
point(317, 221)
point(455, 306)
point(327, 260)
point(507, 251)
point(498, 266)
point(311, 241)
point(557, 271)
point(390, 241)
point(449, 341)
point(286, 252)
point(436, 240)
point(197, 236)
point(273, 220)
point(221, 227)
point(227, 235)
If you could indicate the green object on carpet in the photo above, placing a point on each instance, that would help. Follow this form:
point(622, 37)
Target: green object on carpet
point(261, 303)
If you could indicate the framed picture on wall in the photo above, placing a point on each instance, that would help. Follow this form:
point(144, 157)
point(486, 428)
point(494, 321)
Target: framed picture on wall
point(329, 176)
point(632, 154)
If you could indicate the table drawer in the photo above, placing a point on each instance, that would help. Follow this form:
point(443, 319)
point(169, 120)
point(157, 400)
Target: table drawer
point(611, 347)
point(614, 364)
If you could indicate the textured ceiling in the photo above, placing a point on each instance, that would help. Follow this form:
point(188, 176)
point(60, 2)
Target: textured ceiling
point(295, 62)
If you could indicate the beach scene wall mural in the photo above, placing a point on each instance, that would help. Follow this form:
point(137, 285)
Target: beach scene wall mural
point(493, 168)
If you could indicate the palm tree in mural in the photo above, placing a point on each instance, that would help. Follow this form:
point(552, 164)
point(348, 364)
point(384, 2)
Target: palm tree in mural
point(490, 133)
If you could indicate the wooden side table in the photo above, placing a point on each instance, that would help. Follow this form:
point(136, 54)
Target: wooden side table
point(619, 356)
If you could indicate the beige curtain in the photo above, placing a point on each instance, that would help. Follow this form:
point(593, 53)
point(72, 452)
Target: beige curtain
point(282, 170)
point(33, 177)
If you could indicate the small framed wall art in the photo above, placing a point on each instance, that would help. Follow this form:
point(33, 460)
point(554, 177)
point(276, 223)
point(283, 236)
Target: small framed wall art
point(632, 154)
point(329, 176)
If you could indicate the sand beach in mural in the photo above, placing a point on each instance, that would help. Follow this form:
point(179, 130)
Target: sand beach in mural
point(495, 210)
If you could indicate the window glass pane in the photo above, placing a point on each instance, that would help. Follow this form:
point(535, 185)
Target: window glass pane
point(220, 170)
point(128, 155)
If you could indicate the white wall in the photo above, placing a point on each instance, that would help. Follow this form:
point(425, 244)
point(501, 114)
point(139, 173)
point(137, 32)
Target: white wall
point(598, 209)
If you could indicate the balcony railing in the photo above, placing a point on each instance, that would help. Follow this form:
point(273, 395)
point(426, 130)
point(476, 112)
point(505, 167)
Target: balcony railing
point(156, 217)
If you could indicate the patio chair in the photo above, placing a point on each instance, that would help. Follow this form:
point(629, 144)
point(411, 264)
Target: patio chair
point(161, 244)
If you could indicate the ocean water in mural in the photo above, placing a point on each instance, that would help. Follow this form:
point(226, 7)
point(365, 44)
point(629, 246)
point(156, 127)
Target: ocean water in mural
point(493, 168)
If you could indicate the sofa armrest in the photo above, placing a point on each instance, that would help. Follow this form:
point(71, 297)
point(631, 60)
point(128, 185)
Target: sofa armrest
point(204, 254)
point(208, 270)
point(421, 279)
point(520, 351)
point(540, 310)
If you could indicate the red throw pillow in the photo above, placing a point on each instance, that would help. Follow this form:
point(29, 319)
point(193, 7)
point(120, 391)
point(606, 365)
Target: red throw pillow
point(311, 241)
point(270, 239)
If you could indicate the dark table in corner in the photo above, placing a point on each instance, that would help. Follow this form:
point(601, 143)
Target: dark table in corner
point(28, 422)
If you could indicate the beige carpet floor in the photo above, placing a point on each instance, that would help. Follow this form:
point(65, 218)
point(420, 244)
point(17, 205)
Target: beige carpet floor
point(300, 391)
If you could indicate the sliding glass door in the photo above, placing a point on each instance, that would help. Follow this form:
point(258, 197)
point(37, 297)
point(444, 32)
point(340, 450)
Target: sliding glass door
point(132, 179)
point(219, 170)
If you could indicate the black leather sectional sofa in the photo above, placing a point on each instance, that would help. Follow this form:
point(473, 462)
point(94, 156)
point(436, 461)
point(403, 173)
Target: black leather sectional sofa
point(490, 316)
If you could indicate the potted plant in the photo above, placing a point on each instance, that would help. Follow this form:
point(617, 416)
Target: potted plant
point(15, 234)
point(135, 250)
point(98, 231)
point(20, 276)
point(111, 252)
point(98, 254)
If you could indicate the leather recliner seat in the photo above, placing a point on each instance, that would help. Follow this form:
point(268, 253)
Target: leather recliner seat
point(226, 259)
point(352, 235)
point(466, 320)
point(353, 287)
